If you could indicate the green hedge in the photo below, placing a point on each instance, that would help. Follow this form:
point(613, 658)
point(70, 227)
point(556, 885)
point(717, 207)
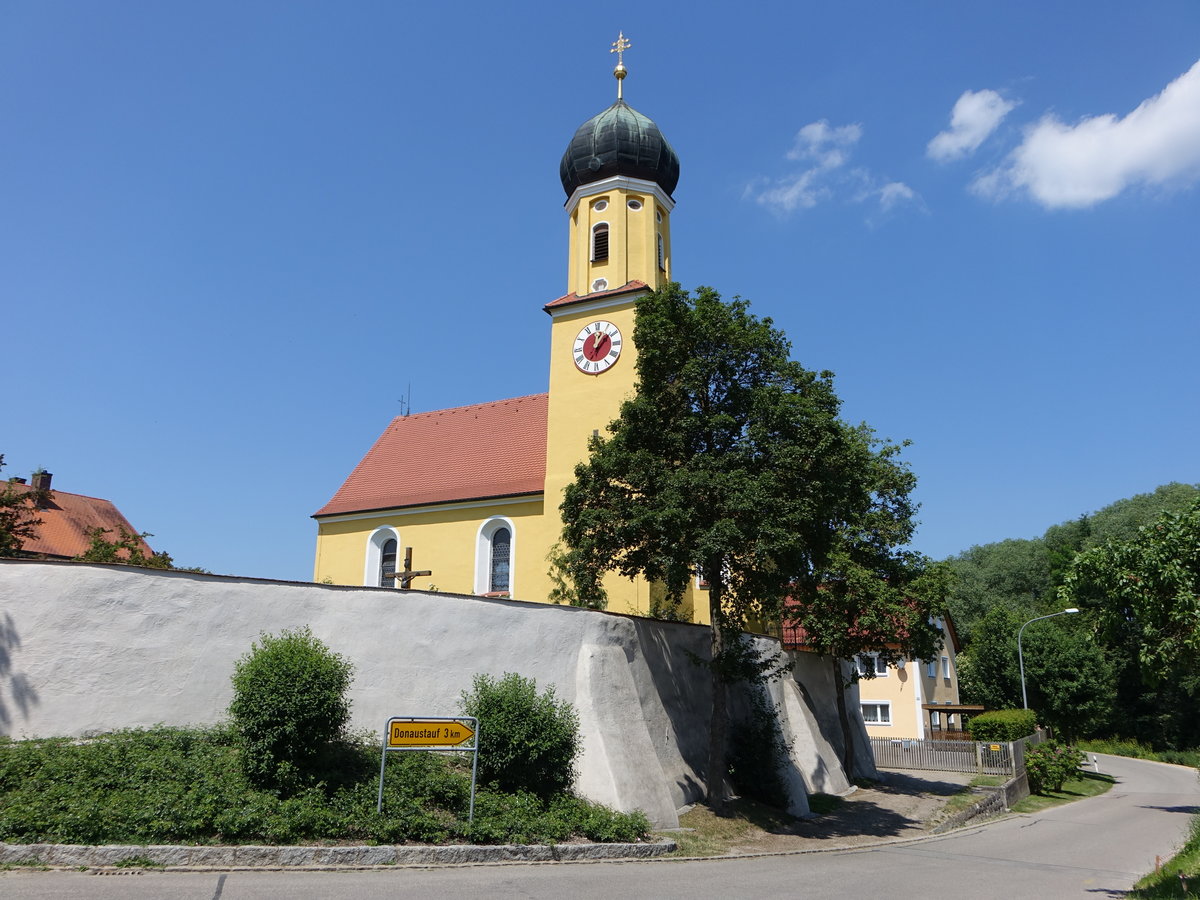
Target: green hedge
point(1003, 725)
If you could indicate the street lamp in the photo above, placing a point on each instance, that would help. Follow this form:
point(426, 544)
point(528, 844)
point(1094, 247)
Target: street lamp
point(1021, 656)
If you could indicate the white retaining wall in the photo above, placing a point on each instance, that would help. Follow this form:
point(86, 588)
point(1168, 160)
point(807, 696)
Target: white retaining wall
point(91, 648)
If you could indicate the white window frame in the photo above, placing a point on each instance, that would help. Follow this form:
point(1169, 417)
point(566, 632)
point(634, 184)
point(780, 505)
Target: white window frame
point(374, 555)
point(945, 667)
point(931, 668)
point(876, 664)
point(483, 554)
point(884, 707)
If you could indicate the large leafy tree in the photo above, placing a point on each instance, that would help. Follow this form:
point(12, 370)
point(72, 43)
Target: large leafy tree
point(731, 457)
point(18, 514)
point(1145, 591)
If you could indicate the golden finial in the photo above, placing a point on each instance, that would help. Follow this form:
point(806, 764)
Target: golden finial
point(620, 45)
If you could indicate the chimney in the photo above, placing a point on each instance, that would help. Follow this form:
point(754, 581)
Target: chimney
point(16, 480)
point(41, 480)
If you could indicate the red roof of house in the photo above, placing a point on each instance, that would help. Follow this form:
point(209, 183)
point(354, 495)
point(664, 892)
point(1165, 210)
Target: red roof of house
point(66, 519)
point(467, 453)
point(628, 287)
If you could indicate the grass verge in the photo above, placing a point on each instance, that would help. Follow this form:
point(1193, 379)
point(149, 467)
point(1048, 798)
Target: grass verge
point(187, 786)
point(1086, 784)
point(1137, 750)
point(707, 834)
point(1180, 877)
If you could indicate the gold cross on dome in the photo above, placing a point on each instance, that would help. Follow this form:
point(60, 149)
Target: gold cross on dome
point(620, 45)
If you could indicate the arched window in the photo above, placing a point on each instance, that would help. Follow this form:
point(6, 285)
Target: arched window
point(494, 554)
point(600, 242)
point(498, 575)
point(387, 563)
point(383, 547)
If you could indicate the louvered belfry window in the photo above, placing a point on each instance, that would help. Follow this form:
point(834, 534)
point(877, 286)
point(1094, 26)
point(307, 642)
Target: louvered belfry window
point(600, 242)
point(498, 579)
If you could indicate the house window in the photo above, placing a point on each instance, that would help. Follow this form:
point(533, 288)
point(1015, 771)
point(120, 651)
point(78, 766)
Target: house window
point(935, 720)
point(945, 667)
point(387, 562)
point(600, 242)
point(382, 548)
point(871, 664)
point(494, 554)
point(931, 668)
point(877, 713)
point(501, 559)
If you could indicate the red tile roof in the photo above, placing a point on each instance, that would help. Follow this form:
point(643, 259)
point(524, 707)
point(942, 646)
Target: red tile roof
point(66, 520)
point(628, 287)
point(467, 453)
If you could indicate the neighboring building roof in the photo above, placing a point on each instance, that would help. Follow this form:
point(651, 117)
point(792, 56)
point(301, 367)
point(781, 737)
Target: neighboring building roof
point(466, 453)
point(628, 287)
point(66, 519)
point(619, 141)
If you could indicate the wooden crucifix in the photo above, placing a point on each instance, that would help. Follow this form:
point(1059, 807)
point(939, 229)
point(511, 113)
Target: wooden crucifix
point(405, 578)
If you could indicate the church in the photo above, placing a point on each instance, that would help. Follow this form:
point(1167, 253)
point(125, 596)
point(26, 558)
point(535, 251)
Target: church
point(474, 491)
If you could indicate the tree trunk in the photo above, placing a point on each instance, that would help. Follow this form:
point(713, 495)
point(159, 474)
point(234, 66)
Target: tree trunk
point(839, 686)
point(718, 725)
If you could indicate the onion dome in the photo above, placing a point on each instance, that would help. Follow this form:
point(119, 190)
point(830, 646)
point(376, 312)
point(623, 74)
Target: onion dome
point(619, 141)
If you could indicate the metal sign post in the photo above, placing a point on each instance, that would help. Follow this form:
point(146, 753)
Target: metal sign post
point(408, 733)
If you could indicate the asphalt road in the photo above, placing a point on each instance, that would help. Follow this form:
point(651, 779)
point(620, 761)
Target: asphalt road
point(1094, 848)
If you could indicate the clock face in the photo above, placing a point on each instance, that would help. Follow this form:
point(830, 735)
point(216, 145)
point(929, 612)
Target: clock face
point(597, 347)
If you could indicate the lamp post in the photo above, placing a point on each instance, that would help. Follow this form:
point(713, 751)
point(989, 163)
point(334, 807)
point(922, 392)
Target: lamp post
point(1021, 656)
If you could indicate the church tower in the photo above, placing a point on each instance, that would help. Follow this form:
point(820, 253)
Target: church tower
point(619, 173)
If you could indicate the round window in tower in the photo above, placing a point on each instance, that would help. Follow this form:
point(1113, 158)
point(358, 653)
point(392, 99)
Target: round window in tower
point(635, 205)
point(600, 205)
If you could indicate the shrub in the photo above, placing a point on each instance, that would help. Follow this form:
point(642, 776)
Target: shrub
point(1003, 725)
point(289, 707)
point(527, 741)
point(1050, 764)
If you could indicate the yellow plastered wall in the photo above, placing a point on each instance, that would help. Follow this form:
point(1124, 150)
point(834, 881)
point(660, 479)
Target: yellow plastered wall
point(444, 541)
point(632, 239)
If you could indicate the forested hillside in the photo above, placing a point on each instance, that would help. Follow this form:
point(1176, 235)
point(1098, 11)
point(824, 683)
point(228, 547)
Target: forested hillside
point(1104, 671)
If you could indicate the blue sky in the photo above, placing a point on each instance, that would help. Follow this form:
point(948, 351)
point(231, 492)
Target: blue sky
point(232, 235)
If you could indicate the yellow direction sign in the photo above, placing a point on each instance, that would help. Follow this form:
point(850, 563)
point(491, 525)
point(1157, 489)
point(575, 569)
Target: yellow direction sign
point(428, 733)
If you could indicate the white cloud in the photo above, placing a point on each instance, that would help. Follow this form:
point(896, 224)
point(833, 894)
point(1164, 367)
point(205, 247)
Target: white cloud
point(1077, 166)
point(828, 146)
point(895, 193)
point(976, 115)
point(826, 150)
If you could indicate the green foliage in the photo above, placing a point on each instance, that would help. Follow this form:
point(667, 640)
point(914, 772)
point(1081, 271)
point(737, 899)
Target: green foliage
point(758, 753)
point(1003, 725)
point(170, 785)
point(563, 588)
point(127, 548)
point(18, 514)
point(1050, 764)
point(732, 457)
point(1145, 591)
point(527, 741)
point(1023, 575)
point(1138, 750)
point(289, 707)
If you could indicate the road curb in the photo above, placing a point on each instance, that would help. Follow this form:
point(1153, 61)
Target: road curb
point(258, 857)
